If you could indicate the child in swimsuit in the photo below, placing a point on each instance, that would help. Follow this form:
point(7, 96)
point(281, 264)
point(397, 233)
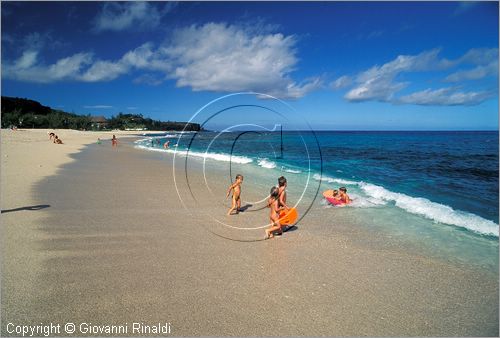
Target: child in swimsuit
point(336, 196)
point(236, 188)
point(272, 203)
point(282, 184)
point(343, 195)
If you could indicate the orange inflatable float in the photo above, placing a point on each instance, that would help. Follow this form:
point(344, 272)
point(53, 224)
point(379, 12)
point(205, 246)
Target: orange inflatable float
point(288, 217)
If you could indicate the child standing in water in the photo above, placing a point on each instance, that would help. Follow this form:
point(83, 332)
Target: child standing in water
point(236, 188)
point(272, 203)
point(114, 141)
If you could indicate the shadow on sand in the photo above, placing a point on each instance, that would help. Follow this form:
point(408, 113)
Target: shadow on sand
point(245, 207)
point(30, 208)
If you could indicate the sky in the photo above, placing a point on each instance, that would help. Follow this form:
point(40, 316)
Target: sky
point(340, 65)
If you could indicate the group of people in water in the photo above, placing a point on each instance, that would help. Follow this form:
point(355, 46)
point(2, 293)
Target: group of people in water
point(166, 145)
point(277, 202)
point(55, 138)
point(340, 197)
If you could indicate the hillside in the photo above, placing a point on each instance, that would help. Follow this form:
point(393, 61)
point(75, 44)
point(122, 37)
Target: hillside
point(26, 113)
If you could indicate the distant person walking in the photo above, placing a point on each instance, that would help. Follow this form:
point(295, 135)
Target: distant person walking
point(114, 141)
point(166, 145)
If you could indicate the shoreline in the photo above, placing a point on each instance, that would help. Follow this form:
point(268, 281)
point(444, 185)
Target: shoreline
point(443, 241)
point(109, 250)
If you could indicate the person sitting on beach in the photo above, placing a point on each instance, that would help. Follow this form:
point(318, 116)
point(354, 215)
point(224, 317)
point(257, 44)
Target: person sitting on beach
point(51, 135)
point(273, 204)
point(114, 141)
point(166, 145)
point(236, 188)
point(282, 184)
point(343, 195)
point(57, 140)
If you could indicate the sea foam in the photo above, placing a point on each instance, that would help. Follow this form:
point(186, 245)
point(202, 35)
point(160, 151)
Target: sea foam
point(291, 171)
point(212, 156)
point(437, 212)
point(328, 179)
point(266, 163)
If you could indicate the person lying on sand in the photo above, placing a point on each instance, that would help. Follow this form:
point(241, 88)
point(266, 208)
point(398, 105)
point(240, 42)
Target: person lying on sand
point(273, 204)
point(236, 188)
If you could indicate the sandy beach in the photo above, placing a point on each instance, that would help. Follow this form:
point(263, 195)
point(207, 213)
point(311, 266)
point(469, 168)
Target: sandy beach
point(92, 234)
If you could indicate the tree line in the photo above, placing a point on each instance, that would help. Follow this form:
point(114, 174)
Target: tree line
point(137, 121)
point(25, 113)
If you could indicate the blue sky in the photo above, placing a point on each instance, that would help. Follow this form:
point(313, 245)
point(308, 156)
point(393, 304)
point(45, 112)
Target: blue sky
point(342, 65)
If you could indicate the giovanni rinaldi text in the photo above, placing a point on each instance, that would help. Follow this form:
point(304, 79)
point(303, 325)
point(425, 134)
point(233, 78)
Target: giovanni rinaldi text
point(51, 329)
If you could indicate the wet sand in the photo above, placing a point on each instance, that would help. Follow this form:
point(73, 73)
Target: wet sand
point(114, 245)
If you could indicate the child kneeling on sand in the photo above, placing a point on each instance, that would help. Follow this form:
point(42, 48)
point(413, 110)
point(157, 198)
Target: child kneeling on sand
point(273, 204)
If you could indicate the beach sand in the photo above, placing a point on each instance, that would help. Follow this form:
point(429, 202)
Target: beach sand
point(112, 243)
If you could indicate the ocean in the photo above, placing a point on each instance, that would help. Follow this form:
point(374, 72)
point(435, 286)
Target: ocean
point(437, 190)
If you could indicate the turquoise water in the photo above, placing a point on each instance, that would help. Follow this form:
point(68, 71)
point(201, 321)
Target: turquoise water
point(436, 189)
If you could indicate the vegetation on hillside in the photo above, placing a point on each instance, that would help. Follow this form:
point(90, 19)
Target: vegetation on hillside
point(25, 113)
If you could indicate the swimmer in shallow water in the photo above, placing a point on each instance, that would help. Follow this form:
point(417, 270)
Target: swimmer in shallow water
point(343, 195)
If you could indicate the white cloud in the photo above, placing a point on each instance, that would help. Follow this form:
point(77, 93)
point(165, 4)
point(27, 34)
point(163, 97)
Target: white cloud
point(143, 57)
point(83, 67)
point(446, 97)
point(228, 58)
point(485, 60)
point(480, 56)
point(476, 73)
point(26, 60)
point(210, 57)
point(341, 82)
point(380, 83)
point(115, 16)
point(104, 71)
point(27, 68)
